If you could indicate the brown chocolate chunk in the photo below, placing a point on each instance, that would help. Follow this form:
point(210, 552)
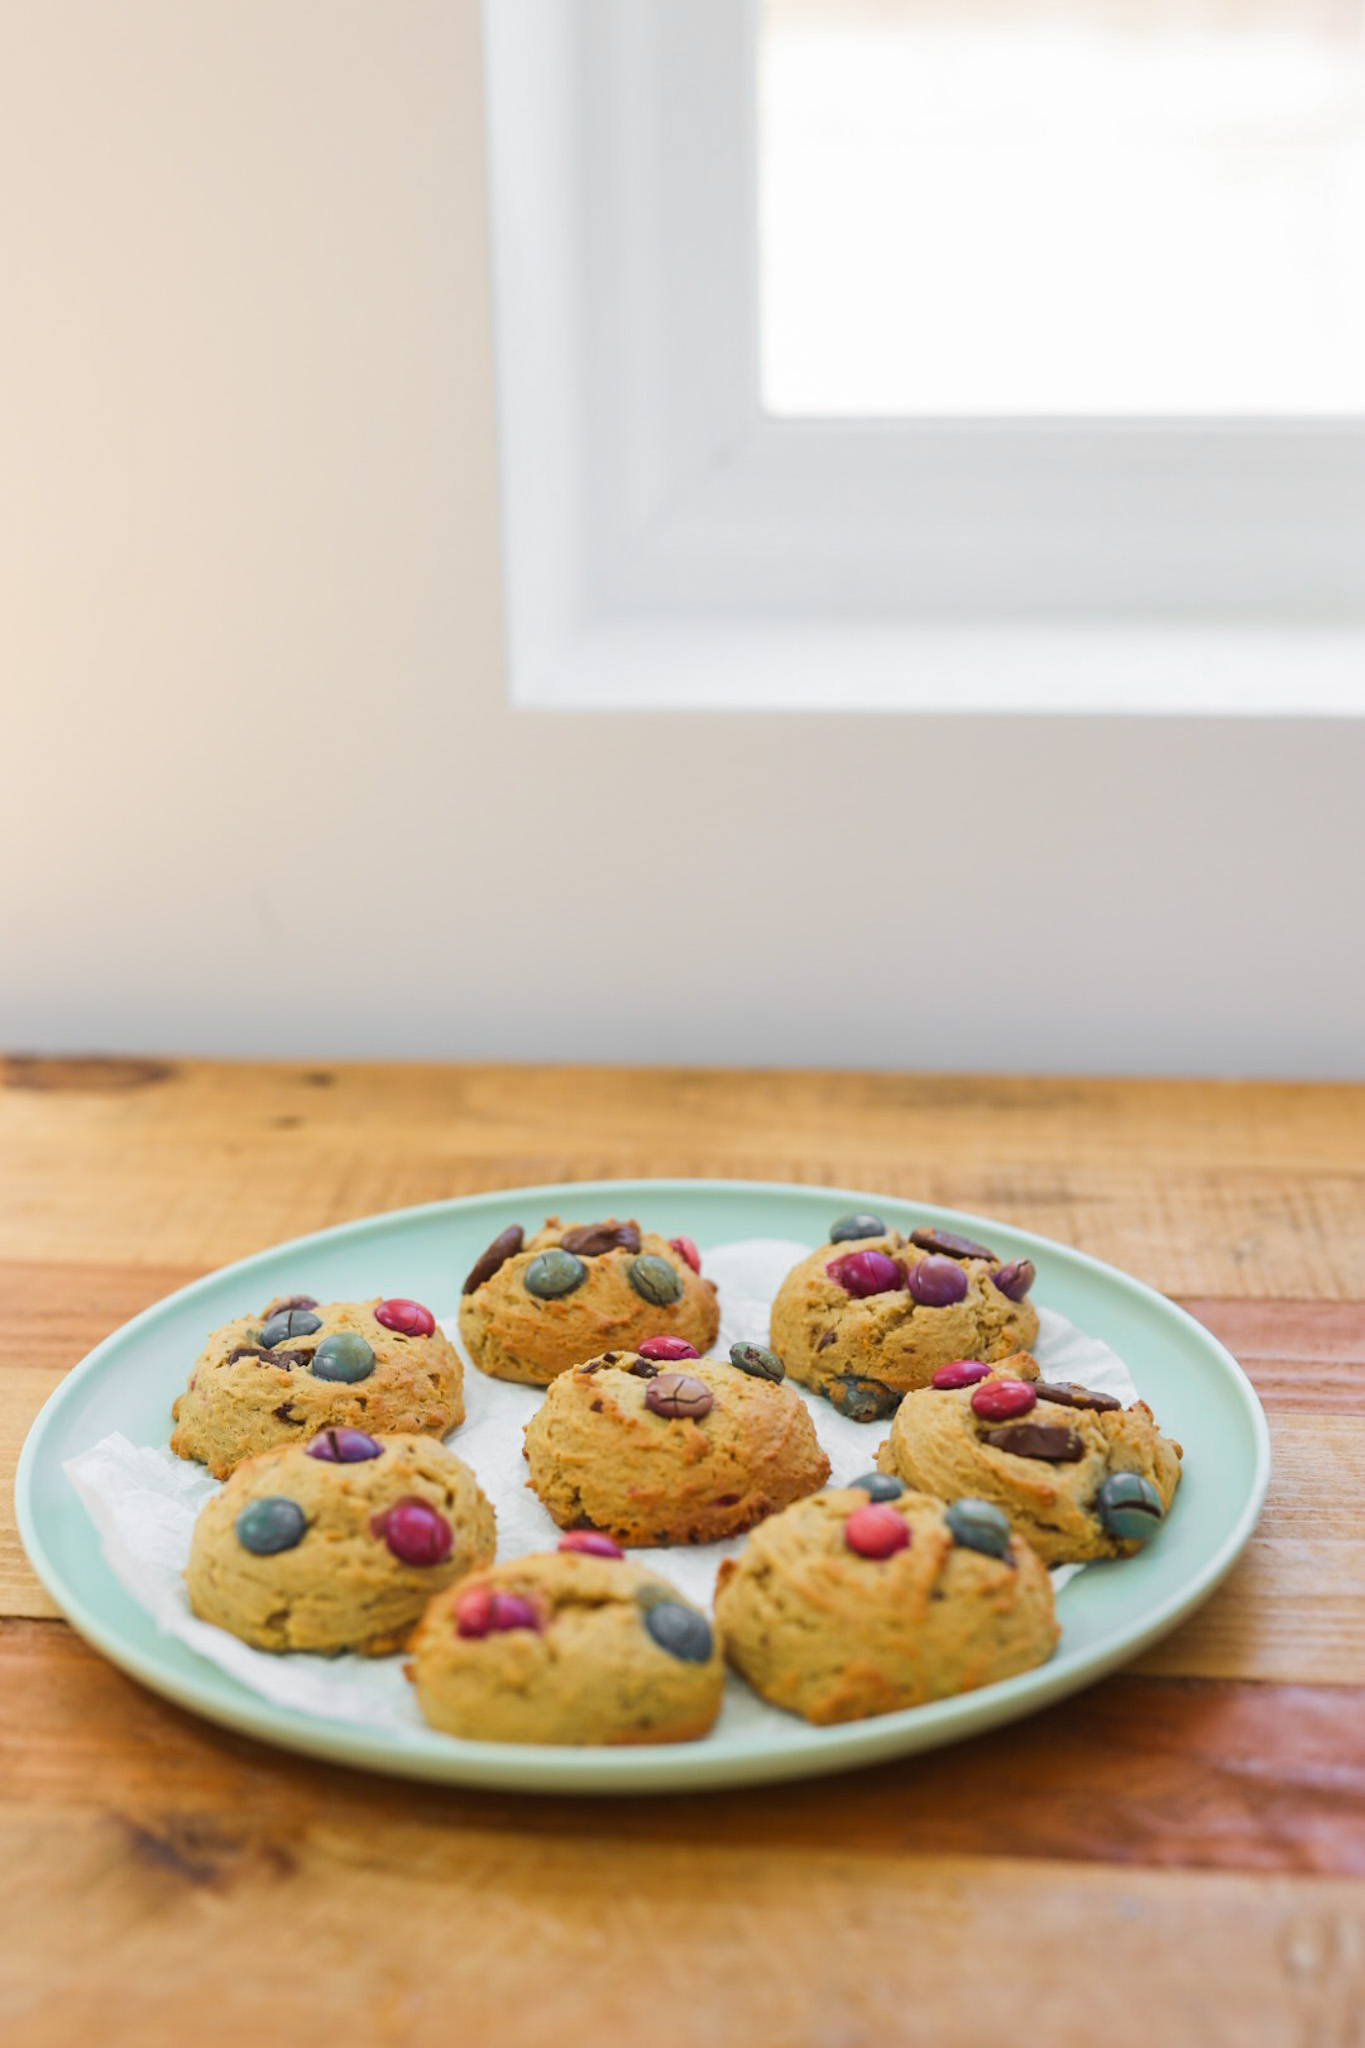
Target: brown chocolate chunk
point(288, 1301)
point(591, 1240)
point(1068, 1395)
point(678, 1396)
point(285, 1358)
point(948, 1246)
point(1038, 1440)
point(643, 1369)
point(285, 1413)
point(828, 1338)
point(505, 1246)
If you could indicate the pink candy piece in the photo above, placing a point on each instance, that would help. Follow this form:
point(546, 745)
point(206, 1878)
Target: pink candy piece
point(408, 1318)
point(863, 1273)
point(592, 1542)
point(670, 1349)
point(414, 1531)
point(876, 1531)
point(999, 1400)
point(685, 1249)
point(481, 1612)
point(959, 1372)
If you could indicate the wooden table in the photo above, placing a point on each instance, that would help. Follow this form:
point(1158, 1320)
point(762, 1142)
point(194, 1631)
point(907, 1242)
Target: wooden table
point(1177, 1852)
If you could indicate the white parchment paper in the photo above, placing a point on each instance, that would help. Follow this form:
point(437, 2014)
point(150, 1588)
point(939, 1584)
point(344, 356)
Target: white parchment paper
point(143, 1501)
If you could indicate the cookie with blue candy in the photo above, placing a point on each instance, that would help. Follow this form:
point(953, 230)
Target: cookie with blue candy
point(303, 1365)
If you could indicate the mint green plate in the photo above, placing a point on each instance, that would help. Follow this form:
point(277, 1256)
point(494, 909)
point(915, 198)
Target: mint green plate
point(1108, 1613)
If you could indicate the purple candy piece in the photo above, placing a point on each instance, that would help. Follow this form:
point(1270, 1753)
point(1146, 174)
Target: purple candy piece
point(937, 1282)
point(1015, 1279)
point(345, 1447)
point(513, 1610)
point(864, 1273)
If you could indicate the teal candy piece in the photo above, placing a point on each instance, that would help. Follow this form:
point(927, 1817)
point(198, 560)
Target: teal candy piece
point(758, 1361)
point(343, 1356)
point(270, 1525)
point(654, 1279)
point(879, 1485)
point(979, 1525)
point(862, 1224)
point(1130, 1507)
point(553, 1273)
point(291, 1322)
point(680, 1630)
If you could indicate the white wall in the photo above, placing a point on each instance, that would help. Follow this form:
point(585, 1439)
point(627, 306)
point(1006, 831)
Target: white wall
point(262, 792)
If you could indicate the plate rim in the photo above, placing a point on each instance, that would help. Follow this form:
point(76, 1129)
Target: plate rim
point(660, 1768)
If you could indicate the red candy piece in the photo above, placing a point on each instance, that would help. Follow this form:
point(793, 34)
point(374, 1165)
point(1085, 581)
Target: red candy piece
point(959, 1372)
point(864, 1273)
point(481, 1612)
point(671, 1349)
point(409, 1318)
point(591, 1541)
point(685, 1249)
point(415, 1532)
point(998, 1400)
point(876, 1531)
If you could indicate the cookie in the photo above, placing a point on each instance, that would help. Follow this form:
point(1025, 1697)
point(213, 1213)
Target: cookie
point(304, 1365)
point(1078, 1474)
point(533, 1307)
point(577, 1646)
point(338, 1544)
point(670, 1448)
point(868, 1598)
point(869, 1316)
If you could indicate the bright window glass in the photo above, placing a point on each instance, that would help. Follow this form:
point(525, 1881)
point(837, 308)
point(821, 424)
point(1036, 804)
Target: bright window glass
point(1009, 207)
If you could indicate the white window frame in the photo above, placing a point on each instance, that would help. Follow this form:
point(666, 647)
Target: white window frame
point(669, 546)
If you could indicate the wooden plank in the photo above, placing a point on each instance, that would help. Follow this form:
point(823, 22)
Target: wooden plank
point(22, 1394)
point(201, 1164)
point(53, 1312)
point(186, 1933)
point(1298, 1354)
point(1183, 1774)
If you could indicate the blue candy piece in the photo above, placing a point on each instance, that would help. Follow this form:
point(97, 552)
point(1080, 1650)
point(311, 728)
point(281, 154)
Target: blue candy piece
point(879, 1485)
point(291, 1322)
point(266, 1526)
point(343, 1356)
point(553, 1273)
point(1130, 1507)
point(863, 1224)
point(979, 1525)
point(680, 1630)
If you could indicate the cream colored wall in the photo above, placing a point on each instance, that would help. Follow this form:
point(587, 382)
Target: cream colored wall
point(262, 792)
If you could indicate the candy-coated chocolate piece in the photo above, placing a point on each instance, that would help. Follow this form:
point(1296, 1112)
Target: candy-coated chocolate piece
point(1039, 1440)
point(553, 1273)
point(270, 1525)
point(408, 1318)
point(685, 1249)
point(289, 1323)
point(863, 1273)
point(1129, 1507)
point(758, 1361)
point(876, 1531)
point(345, 1447)
point(959, 1372)
point(937, 1282)
point(999, 1400)
point(1068, 1395)
point(950, 1246)
point(288, 1301)
point(879, 1485)
point(593, 1240)
point(415, 1531)
point(667, 1350)
point(505, 1246)
point(677, 1396)
point(654, 1279)
point(343, 1356)
point(591, 1542)
point(514, 1610)
point(1015, 1279)
point(680, 1630)
point(482, 1612)
point(979, 1525)
point(862, 1399)
point(861, 1224)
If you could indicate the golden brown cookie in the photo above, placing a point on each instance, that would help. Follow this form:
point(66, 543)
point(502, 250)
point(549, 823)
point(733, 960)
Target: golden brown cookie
point(1077, 1473)
point(532, 1307)
point(567, 1647)
point(869, 1316)
point(844, 1606)
point(338, 1544)
point(670, 1449)
point(302, 1365)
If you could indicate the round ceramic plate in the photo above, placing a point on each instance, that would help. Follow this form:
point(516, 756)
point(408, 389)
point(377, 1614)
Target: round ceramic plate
point(1108, 1613)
